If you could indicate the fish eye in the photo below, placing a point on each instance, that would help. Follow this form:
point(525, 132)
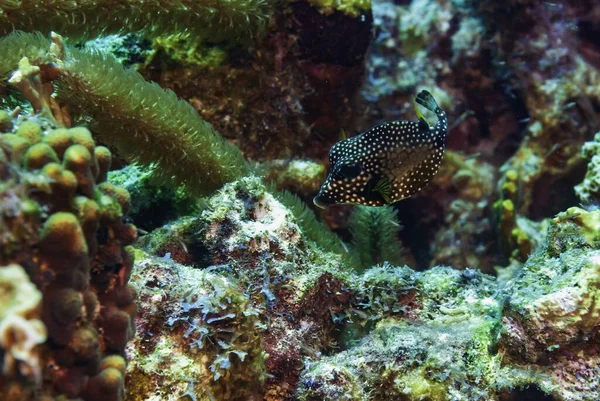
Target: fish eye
point(349, 171)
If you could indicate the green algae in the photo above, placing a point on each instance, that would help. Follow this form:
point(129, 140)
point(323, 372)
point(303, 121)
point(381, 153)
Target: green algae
point(352, 8)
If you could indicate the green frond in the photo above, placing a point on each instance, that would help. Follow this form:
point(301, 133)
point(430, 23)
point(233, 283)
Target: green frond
point(147, 123)
point(215, 20)
point(375, 236)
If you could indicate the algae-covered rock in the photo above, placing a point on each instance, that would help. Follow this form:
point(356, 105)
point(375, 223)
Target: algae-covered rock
point(439, 345)
point(388, 332)
point(199, 336)
point(152, 204)
point(432, 361)
point(588, 191)
point(249, 236)
point(463, 336)
point(552, 316)
point(554, 298)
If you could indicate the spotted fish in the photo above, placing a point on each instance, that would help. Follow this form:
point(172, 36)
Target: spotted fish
point(387, 163)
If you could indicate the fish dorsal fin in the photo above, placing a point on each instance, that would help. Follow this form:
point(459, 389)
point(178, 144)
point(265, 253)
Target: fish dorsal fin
point(342, 134)
point(384, 187)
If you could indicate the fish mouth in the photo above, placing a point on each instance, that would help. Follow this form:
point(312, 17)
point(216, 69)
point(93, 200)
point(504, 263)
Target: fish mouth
point(321, 201)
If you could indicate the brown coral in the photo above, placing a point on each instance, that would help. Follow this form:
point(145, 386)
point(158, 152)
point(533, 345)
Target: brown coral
point(65, 227)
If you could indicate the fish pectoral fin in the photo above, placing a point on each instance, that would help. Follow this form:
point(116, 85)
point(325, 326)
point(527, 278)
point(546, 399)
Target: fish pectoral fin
point(384, 187)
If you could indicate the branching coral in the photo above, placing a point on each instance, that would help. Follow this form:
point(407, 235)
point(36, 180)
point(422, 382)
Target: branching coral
point(212, 19)
point(146, 123)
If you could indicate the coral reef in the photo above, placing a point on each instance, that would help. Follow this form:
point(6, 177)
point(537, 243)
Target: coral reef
point(437, 347)
point(426, 361)
point(456, 339)
point(558, 83)
point(390, 331)
point(250, 238)
point(245, 294)
point(65, 263)
point(551, 317)
point(522, 90)
point(285, 98)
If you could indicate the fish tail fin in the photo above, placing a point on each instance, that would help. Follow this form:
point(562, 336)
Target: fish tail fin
point(425, 99)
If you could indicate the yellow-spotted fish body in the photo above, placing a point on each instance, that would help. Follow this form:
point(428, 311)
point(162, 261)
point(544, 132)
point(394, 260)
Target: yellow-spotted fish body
point(387, 163)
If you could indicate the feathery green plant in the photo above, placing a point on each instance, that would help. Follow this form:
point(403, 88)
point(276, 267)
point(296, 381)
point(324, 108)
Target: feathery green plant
point(375, 236)
point(146, 123)
point(215, 20)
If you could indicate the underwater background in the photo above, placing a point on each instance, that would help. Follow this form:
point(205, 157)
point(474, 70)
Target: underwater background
point(158, 237)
